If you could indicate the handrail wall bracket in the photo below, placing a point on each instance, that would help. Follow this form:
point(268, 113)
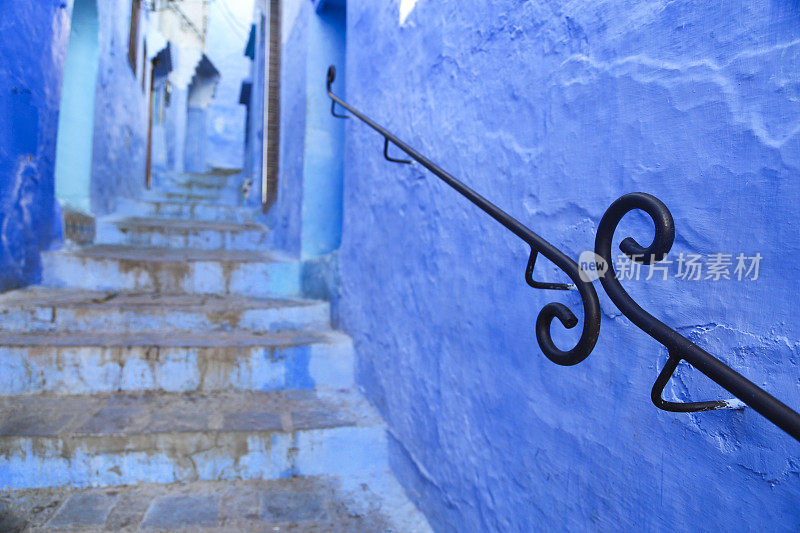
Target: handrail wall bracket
point(679, 347)
point(551, 311)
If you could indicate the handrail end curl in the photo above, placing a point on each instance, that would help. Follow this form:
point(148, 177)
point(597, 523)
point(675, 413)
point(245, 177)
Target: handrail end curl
point(555, 310)
point(330, 77)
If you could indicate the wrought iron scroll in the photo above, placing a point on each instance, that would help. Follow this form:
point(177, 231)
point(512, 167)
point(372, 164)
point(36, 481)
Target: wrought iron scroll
point(679, 347)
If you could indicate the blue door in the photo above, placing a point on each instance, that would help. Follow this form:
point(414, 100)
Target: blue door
point(76, 116)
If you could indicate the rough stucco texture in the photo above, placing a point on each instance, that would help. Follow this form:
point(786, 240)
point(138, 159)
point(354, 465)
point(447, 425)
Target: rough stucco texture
point(30, 89)
point(553, 110)
point(120, 133)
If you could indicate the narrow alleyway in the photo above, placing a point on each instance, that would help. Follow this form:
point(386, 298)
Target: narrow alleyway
point(406, 266)
point(171, 372)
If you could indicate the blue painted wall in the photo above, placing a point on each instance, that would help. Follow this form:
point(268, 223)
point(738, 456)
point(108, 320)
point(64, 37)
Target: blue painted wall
point(176, 118)
point(324, 138)
point(172, 138)
point(308, 213)
point(255, 110)
point(160, 153)
point(31, 69)
point(553, 110)
point(121, 111)
point(76, 112)
point(196, 140)
point(285, 215)
point(228, 30)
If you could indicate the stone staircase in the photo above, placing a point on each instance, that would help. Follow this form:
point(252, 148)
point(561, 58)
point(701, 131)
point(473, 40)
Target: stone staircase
point(170, 377)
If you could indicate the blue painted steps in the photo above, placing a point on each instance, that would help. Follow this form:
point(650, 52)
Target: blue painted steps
point(172, 233)
point(125, 438)
point(171, 270)
point(43, 309)
point(178, 350)
point(188, 210)
point(93, 362)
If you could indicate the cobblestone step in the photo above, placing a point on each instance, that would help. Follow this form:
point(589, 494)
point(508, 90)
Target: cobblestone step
point(210, 180)
point(178, 195)
point(185, 210)
point(125, 439)
point(176, 233)
point(87, 363)
point(321, 504)
point(165, 270)
point(70, 310)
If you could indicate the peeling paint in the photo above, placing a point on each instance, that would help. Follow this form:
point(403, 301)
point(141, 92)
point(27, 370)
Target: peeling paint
point(30, 83)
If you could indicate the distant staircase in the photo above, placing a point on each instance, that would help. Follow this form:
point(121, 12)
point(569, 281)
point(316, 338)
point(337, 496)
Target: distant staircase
point(169, 377)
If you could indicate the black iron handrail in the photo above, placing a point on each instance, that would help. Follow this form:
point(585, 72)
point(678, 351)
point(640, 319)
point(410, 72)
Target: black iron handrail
point(591, 305)
point(678, 346)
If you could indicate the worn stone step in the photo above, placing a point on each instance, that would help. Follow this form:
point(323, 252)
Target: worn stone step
point(87, 363)
point(314, 503)
point(172, 195)
point(166, 270)
point(196, 182)
point(185, 210)
point(209, 180)
point(124, 439)
point(41, 309)
point(177, 233)
point(201, 184)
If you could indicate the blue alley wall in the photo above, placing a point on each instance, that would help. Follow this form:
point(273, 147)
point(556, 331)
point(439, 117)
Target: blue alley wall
point(324, 138)
point(169, 137)
point(121, 110)
point(285, 216)
point(553, 110)
point(228, 30)
point(307, 215)
point(31, 69)
point(254, 109)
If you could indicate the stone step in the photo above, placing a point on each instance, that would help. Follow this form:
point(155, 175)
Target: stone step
point(166, 270)
point(176, 233)
point(210, 180)
point(314, 503)
point(171, 195)
point(125, 439)
point(41, 309)
point(199, 183)
point(185, 210)
point(196, 186)
point(88, 363)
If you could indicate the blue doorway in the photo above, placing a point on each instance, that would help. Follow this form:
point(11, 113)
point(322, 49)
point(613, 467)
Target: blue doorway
point(76, 118)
